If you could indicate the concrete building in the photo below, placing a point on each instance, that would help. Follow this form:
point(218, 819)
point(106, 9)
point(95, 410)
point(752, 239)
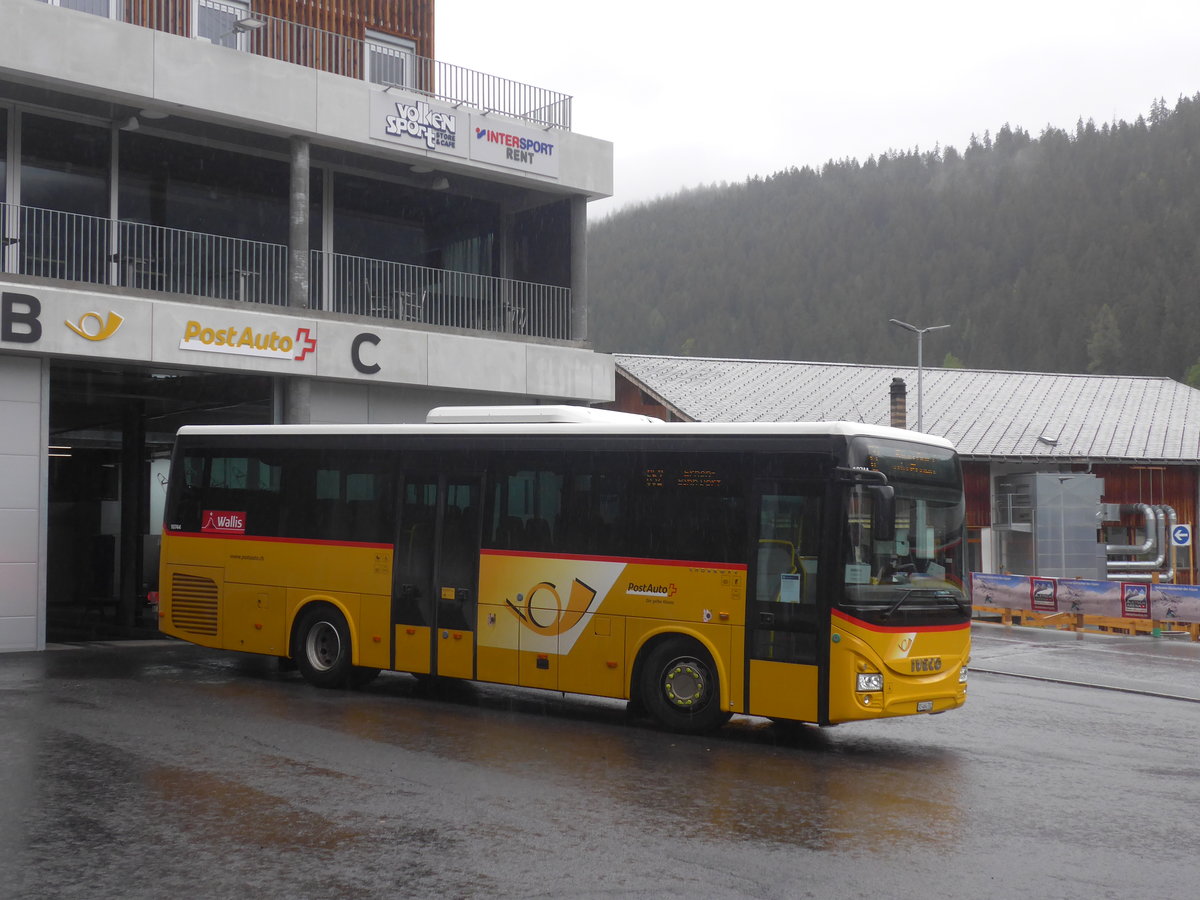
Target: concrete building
point(274, 210)
point(1126, 443)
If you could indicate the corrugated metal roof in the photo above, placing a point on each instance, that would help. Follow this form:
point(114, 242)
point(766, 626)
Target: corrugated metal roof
point(987, 414)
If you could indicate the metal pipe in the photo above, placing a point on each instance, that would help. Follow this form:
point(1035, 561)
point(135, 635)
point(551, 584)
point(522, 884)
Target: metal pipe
point(1125, 570)
point(1153, 527)
point(1142, 549)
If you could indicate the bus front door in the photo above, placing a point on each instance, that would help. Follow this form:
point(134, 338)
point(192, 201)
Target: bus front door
point(782, 604)
point(434, 598)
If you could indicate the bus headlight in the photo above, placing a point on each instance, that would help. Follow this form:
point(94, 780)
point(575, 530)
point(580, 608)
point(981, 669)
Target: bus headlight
point(869, 681)
point(962, 675)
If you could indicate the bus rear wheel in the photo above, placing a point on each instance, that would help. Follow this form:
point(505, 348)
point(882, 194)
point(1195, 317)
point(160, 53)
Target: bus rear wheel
point(679, 687)
point(322, 650)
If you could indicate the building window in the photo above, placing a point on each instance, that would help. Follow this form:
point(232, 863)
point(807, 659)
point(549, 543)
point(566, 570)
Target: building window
point(224, 24)
point(390, 60)
point(3, 157)
point(64, 194)
point(93, 7)
point(191, 187)
point(10, 235)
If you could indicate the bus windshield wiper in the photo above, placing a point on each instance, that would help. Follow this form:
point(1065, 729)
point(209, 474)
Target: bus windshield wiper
point(895, 606)
point(939, 595)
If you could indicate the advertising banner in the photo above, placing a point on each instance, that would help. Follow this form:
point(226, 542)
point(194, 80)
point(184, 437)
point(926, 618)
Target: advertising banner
point(1112, 599)
point(514, 147)
point(419, 124)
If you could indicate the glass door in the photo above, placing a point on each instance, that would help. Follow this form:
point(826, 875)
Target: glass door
point(437, 557)
point(784, 608)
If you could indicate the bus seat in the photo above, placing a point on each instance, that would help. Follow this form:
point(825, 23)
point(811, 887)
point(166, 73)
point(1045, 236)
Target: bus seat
point(509, 533)
point(538, 535)
point(362, 520)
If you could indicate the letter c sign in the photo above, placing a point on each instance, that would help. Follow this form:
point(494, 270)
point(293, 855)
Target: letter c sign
point(355, 353)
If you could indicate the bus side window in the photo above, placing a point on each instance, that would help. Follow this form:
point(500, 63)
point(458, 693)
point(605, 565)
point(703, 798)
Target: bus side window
point(262, 512)
point(525, 507)
point(775, 560)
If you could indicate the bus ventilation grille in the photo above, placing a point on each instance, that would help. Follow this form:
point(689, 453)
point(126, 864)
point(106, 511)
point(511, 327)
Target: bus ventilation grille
point(194, 604)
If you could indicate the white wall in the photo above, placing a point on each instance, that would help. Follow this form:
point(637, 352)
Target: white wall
point(23, 474)
point(340, 403)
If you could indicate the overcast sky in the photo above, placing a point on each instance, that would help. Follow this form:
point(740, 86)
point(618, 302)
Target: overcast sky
point(710, 91)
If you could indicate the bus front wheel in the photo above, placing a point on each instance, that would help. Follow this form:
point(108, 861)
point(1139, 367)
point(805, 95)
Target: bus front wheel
point(322, 650)
point(679, 687)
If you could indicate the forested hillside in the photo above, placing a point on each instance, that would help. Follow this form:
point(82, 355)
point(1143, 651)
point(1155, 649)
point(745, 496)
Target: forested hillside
point(1068, 252)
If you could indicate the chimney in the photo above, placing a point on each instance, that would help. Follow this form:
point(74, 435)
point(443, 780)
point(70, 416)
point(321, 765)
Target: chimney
point(899, 418)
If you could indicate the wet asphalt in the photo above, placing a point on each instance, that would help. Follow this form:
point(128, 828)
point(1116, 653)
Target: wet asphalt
point(157, 769)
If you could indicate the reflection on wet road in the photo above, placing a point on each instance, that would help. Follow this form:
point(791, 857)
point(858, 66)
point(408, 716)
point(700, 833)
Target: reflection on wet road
point(163, 770)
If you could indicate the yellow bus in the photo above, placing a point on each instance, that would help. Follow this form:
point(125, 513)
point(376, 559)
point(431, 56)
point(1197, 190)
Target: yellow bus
point(803, 572)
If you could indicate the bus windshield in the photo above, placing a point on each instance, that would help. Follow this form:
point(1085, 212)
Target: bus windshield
point(907, 572)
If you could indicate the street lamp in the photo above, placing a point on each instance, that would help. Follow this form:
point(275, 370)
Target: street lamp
point(920, 333)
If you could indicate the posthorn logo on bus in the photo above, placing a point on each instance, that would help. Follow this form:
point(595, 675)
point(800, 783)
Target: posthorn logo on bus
point(246, 341)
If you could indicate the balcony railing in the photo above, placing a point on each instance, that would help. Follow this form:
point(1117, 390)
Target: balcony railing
point(232, 26)
point(390, 290)
point(73, 247)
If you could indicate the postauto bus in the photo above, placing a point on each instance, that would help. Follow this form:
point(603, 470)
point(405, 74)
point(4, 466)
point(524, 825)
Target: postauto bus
point(803, 572)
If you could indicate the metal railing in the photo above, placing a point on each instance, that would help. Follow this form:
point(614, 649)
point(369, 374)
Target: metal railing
point(73, 247)
point(391, 290)
point(376, 61)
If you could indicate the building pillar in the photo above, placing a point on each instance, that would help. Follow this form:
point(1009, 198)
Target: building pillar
point(579, 300)
point(296, 390)
point(133, 481)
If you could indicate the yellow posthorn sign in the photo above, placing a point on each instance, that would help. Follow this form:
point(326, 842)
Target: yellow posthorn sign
point(105, 328)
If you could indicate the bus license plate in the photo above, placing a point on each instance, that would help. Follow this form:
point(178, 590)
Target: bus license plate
point(924, 705)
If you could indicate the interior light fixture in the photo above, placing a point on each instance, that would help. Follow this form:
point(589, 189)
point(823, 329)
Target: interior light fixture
point(152, 114)
point(440, 183)
point(421, 169)
point(130, 124)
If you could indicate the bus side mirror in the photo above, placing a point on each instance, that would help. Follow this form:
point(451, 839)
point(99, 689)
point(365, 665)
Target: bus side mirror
point(883, 512)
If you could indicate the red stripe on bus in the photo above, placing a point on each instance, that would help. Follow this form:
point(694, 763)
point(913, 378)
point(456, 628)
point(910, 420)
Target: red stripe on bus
point(277, 540)
point(896, 629)
point(732, 567)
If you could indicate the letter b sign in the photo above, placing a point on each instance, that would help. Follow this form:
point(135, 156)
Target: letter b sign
point(19, 322)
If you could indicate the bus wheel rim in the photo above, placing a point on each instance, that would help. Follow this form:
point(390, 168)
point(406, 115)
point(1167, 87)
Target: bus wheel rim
point(323, 646)
point(685, 683)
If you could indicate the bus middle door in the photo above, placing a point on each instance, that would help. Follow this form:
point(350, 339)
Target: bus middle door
point(434, 595)
point(783, 606)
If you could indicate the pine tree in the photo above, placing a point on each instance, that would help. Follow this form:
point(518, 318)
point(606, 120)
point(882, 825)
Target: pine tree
point(1104, 346)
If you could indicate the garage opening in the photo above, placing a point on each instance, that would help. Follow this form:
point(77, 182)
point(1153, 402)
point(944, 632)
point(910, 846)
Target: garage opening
point(111, 431)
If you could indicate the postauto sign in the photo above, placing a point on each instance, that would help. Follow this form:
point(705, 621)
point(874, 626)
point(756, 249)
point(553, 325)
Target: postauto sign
point(75, 323)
